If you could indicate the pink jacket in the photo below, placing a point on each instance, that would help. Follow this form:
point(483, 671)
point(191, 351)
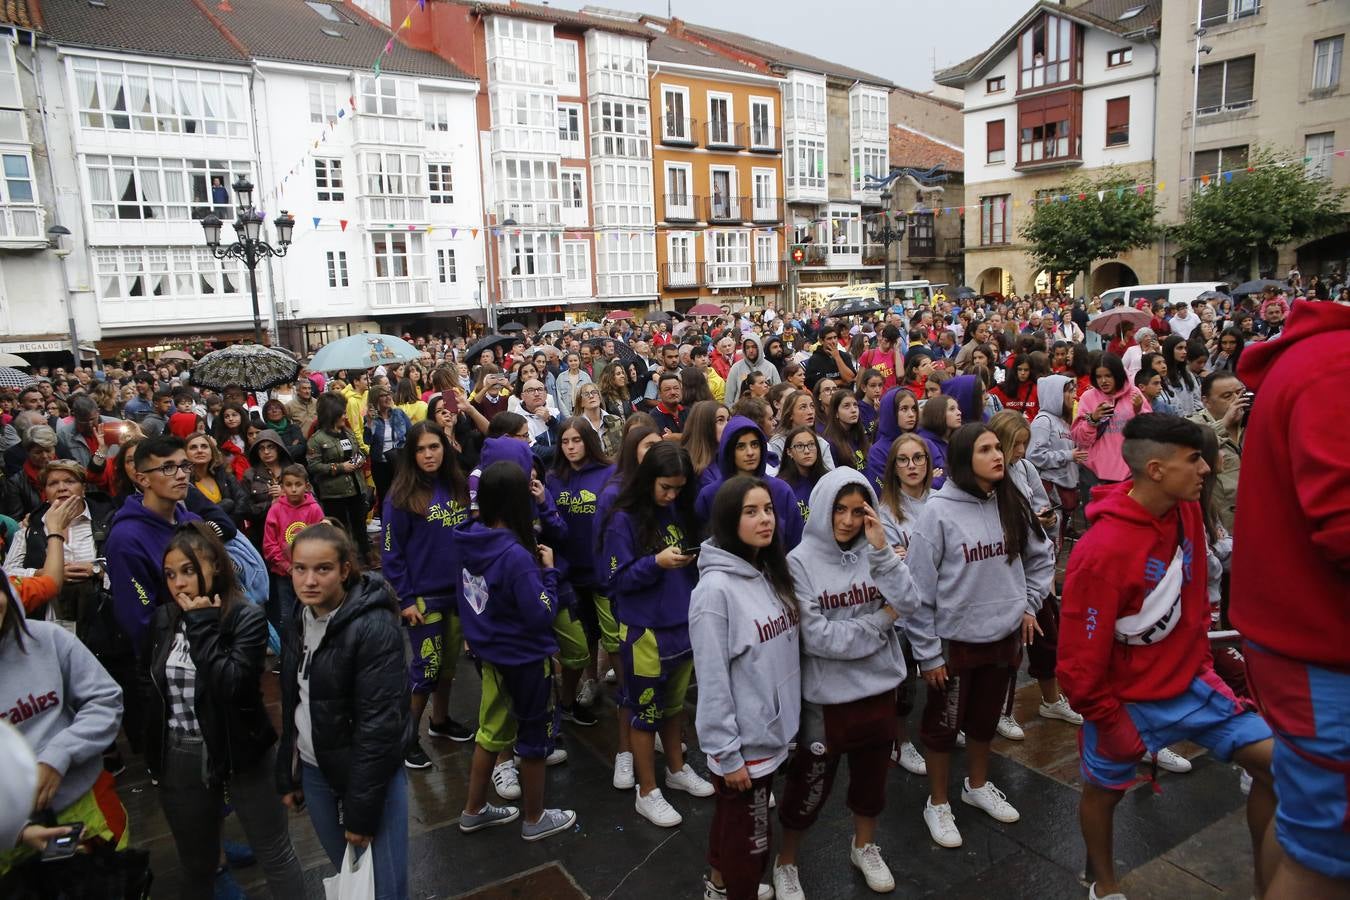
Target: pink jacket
point(1104, 458)
point(284, 521)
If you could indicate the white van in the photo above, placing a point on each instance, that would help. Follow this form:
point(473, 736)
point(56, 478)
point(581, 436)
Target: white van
point(1184, 291)
point(908, 294)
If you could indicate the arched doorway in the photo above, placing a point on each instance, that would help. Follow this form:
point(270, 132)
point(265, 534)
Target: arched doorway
point(990, 281)
point(1112, 275)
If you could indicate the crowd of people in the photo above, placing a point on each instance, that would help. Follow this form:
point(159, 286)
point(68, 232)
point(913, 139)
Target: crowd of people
point(808, 517)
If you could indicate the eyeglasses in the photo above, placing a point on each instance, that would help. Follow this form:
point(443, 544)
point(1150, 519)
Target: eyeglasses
point(532, 390)
point(917, 459)
point(802, 448)
point(168, 469)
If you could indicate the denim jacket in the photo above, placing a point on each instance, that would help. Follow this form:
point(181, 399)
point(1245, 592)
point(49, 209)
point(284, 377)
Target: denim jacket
point(374, 433)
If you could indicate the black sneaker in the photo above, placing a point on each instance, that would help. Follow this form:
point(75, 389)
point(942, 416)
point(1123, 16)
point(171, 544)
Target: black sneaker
point(415, 757)
point(579, 715)
point(450, 729)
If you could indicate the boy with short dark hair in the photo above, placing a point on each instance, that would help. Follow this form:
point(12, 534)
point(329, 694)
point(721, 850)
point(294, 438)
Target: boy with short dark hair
point(1134, 656)
point(291, 513)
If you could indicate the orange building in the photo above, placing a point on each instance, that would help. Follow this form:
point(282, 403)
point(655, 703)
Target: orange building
point(717, 171)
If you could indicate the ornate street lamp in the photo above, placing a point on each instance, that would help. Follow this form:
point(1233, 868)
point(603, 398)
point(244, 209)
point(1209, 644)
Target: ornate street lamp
point(250, 246)
point(882, 231)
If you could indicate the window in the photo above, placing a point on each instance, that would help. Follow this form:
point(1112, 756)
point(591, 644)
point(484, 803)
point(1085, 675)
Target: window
point(11, 96)
point(337, 268)
point(445, 265)
point(328, 180)
point(574, 188)
point(868, 161)
point(184, 273)
point(678, 202)
point(1117, 121)
point(1226, 85)
point(764, 191)
point(532, 261)
point(804, 103)
point(398, 174)
point(805, 160)
point(1047, 128)
point(435, 111)
point(921, 235)
point(1219, 12)
point(616, 64)
point(1327, 62)
point(18, 179)
point(761, 123)
point(1214, 162)
point(625, 263)
point(386, 96)
point(720, 125)
point(680, 259)
point(569, 124)
point(1122, 57)
point(1049, 53)
point(996, 85)
point(623, 193)
point(521, 51)
point(619, 128)
point(766, 257)
point(397, 254)
point(440, 183)
point(845, 231)
point(867, 112)
point(728, 255)
point(577, 265)
point(1318, 150)
point(569, 69)
point(675, 122)
point(993, 141)
point(994, 219)
point(528, 190)
point(131, 97)
point(124, 187)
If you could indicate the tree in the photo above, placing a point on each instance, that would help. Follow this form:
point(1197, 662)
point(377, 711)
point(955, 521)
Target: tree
point(1237, 216)
point(1090, 219)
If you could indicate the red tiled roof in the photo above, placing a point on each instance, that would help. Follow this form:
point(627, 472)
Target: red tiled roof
point(916, 149)
point(555, 15)
point(23, 13)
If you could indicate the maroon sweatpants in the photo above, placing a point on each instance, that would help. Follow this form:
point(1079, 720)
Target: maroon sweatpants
point(811, 771)
point(977, 686)
point(738, 843)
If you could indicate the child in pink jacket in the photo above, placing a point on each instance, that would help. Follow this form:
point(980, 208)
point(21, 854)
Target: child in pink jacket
point(289, 515)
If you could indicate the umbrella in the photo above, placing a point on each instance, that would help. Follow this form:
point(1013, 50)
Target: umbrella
point(487, 342)
point(363, 351)
point(177, 354)
point(1258, 286)
point(11, 359)
point(965, 291)
point(583, 326)
point(511, 327)
point(619, 314)
point(857, 306)
point(658, 316)
point(1109, 323)
point(1214, 295)
point(622, 352)
point(550, 327)
point(13, 378)
point(705, 309)
point(252, 367)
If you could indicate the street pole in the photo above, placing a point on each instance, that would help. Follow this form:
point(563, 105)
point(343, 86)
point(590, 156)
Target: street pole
point(250, 248)
point(251, 262)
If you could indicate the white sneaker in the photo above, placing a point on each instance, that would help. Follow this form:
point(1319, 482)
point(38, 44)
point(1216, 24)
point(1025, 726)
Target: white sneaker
point(867, 859)
point(1245, 782)
point(990, 799)
point(623, 771)
point(610, 677)
point(660, 748)
point(961, 739)
point(773, 802)
point(656, 810)
point(1061, 710)
point(941, 824)
point(1008, 728)
point(1093, 895)
point(1170, 761)
point(586, 694)
point(786, 883)
point(689, 781)
point(506, 780)
point(713, 892)
point(910, 759)
point(556, 758)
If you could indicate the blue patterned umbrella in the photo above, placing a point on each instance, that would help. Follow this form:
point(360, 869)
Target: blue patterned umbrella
point(13, 378)
point(252, 367)
point(363, 351)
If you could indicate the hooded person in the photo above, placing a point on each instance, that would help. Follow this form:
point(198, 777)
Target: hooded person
point(752, 361)
point(260, 478)
point(791, 522)
point(1051, 449)
point(774, 353)
point(888, 429)
point(969, 396)
point(851, 588)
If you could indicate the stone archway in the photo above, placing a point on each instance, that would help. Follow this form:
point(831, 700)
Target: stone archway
point(990, 281)
point(1112, 275)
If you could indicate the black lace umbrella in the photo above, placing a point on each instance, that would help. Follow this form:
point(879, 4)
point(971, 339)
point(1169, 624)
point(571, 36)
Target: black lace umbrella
point(252, 367)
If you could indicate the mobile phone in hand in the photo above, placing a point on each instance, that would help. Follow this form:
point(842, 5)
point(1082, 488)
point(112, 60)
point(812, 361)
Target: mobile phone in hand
point(64, 846)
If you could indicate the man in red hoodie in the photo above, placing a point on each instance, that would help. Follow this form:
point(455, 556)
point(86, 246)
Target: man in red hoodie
point(1291, 587)
point(1134, 655)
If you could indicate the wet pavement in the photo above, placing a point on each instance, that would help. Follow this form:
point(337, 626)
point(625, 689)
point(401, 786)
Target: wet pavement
point(1190, 841)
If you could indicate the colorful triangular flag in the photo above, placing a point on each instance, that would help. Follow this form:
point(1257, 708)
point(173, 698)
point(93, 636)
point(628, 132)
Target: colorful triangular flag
point(316, 221)
point(343, 224)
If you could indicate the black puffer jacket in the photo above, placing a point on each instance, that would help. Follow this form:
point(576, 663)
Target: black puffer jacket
point(358, 702)
point(229, 652)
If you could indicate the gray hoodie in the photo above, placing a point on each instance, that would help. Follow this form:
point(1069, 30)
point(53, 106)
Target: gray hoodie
point(747, 654)
point(897, 532)
point(967, 590)
point(63, 702)
point(851, 650)
point(1051, 447)
point(742, 368)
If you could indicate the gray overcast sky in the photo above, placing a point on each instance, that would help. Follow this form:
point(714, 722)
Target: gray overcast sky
point(897, 39)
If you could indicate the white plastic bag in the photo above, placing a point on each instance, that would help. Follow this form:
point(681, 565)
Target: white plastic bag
point(355, 880)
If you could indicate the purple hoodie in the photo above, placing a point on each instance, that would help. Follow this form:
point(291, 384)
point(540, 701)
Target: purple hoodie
point(577, 496)
point(508, 602)
point(784, 501)
point(495, 450)
point(888, 429)
point(647, 595)
point(135, 552)
point(410, 540)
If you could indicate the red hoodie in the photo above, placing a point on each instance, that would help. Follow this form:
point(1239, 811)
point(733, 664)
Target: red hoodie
point(1113, 567)
point(1291, 539)
point(284, 521)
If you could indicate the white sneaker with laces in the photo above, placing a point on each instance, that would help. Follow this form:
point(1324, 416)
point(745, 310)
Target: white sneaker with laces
point(1093, 895)
point(910, 759)
point(660, 748)
point(867, 859)
point(586, 694)
point(656, 810)
point(941, 824)
point(990, 799)
point(786, 883)
point(961, 739)
point(1245, 782)
point(506, 781)
point(1008, 728)
point(1061, 710)
point(689, 781)
point(713, 892)
point(1170, 761)
point(610, 677)
point(623, 771)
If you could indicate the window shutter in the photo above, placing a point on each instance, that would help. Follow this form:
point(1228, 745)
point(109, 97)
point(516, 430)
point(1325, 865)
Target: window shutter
point(1210, 90)
point(1117, 121)
point(1213, 10)
point(1241, 80)
point(994, 140)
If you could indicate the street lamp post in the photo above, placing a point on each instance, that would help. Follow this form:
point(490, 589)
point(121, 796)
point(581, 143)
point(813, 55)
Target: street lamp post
point(54, 236)
point(886, 234)
point(250, 248)
point(481, 274)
